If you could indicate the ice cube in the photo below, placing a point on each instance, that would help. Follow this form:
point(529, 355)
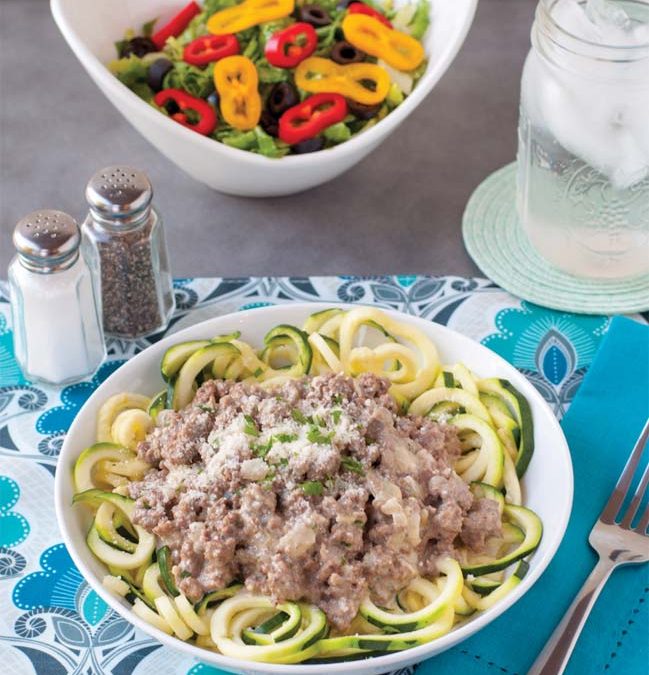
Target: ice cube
point(596, 111)
point(607, 15)
point(570, 15)
point(613, 23)
point(603, 123)
point(641, 34)
point(602, 22)
point(603, 126)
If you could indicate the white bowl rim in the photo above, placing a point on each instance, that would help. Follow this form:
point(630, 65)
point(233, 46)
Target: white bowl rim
point(385, 662)
point(389, 122)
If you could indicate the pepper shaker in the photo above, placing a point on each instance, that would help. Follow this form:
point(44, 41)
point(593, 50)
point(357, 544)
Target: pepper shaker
point(123, 234)
point(54, 300)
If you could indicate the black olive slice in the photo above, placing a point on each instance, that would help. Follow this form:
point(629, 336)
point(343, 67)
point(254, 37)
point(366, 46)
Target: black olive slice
point(281, 97)
point(138, 46)
point(362, 112)
point(316, 15)
point(310, 145)
point(344, 52)
point(156, 74)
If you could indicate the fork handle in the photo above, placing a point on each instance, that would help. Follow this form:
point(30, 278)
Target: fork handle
point(556, 653)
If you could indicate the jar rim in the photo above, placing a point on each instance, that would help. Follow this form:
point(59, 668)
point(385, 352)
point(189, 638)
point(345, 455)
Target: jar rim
point(564, 38)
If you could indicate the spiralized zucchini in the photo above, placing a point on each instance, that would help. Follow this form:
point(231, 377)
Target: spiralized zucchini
point(495, 429)
point(112, 408)
point(130, 427)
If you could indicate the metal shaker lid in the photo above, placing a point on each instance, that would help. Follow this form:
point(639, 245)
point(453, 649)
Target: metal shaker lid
point(117, 193)
point(47, 239)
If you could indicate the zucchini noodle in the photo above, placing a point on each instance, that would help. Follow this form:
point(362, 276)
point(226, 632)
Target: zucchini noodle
point(110, 410)
point(495, 428)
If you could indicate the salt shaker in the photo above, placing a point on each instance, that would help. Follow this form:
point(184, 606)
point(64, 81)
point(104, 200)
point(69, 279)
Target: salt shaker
point(55, 300)
point(123, 234)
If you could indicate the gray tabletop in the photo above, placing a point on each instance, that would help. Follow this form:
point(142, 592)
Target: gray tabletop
point(399, 210)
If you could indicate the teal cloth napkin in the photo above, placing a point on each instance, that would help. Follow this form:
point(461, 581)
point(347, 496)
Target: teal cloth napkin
point(601, 426)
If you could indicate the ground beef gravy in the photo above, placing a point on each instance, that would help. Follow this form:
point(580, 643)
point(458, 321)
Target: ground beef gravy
point(315, 490)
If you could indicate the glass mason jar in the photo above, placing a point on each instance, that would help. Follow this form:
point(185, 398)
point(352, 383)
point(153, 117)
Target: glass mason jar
point(123, 235)
point(583, 138)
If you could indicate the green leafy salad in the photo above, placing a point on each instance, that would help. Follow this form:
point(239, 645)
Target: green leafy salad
point(277, 77)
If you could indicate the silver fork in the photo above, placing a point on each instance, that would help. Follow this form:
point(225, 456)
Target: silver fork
point(616, 543)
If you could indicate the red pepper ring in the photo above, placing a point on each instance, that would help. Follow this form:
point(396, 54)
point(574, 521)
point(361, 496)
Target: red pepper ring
point(307, 119)
point(208, 48)
point(288, 47)
point(207, 119)
point(176, 25)
point(362, 8)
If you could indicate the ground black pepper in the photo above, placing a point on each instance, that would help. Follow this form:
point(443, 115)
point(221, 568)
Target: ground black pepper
point(124, 235)
point(130, 299)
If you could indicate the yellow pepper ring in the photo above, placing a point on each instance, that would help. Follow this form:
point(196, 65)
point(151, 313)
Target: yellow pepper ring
point(397, 49)
point(364, 83)
point(236, 80)
point(247, 14)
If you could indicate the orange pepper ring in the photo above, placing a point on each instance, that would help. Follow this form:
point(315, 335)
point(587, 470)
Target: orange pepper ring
point(320, 75)
point(248, 14)
point(398, 49)
point(236, 81)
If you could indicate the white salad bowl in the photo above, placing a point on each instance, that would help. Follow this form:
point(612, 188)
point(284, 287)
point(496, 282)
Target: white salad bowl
point(91, 29)
point(547, 485)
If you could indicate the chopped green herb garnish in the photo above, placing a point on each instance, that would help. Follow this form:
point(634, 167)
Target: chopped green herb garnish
point(315, 435)
point(184, 574)
point(299, 417)
point(261, 449)
point(319, 421)
point(337, 399)
point(250, 426)
point(206, 408)
point(285, 438)
point(268, 481)
point(313, 488)
point(258, 372)
point(335, 415)
point(352, 464)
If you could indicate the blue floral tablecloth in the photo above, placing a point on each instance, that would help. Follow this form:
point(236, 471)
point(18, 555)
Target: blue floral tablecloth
point(51, 622)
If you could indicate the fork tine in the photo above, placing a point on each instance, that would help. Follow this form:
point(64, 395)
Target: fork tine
point(637, 499)
point(624, 481)
point(641, 527)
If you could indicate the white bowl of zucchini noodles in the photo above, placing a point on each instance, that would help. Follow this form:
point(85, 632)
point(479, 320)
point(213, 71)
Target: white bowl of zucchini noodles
point(310, 488)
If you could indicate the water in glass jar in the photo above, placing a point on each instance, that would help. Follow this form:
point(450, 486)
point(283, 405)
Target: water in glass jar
point(576, 217)
point(583, 181)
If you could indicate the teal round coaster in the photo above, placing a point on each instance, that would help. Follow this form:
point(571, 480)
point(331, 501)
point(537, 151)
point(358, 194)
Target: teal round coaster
point(500, 248)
